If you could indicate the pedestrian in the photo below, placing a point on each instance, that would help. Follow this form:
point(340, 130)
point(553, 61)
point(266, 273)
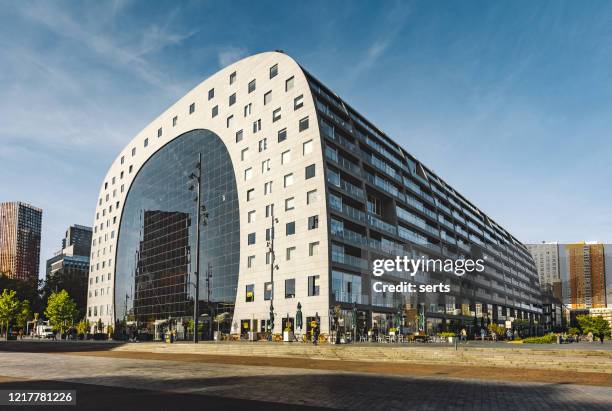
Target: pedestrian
point(516, 335)
point(315, 334)
point(494, 336)
point(463, 335)
point(483, 333)
point(509, 334)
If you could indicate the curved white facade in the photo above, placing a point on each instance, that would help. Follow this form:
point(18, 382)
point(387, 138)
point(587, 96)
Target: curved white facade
point(285, 170)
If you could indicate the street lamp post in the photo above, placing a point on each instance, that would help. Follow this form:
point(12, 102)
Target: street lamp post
point(272, 267)
point(201, 214)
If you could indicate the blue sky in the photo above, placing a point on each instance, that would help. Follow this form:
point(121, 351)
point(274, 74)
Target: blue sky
point(510, 102)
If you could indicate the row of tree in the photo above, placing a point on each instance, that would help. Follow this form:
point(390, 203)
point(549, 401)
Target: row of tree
point(61, 311)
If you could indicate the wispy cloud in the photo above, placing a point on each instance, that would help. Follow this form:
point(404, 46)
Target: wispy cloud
point(230, 54)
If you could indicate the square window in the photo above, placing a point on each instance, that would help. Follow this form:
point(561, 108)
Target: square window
point(250, 261)
point(268, 291)
point(282, 135)
point(313, 248)
point(288, 180)
point(313, 222)
point(289, 204)
point(146, 142)
point(248, 174)
point(290, 288)
point(239, 135)
point(256, 126)
point(268, 188)
point(232, 99)
point(191, 108)
point(232, 78)
point(250, 194)
point(251, 86)
point(250, 293)
point(133, 151)
point(211, 94)
point(247, 109)
point(298, 102)
point(251, 216)
point(267, 97)
point(303, 124)
point(307, 147)
point(290, 228)
point(286, 157)
point(310, 171)
point(229, 121)
point(215, 111)
point(290, 253)
point(311, 197)
point(273, 71)
point(289, 83)
point(174, 121)
point(251, 239)
point(313, 285)
point(276, 115)
point(262, 144)
point(244, 154)
point(269, 210)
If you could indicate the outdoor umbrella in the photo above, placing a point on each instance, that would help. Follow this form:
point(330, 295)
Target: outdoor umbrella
point(298, 316)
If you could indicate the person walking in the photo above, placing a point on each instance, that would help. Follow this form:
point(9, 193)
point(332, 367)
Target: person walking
point(494, 336)
point(483, 333)
point(315, 334)
point(509, 334)
point(463, 335)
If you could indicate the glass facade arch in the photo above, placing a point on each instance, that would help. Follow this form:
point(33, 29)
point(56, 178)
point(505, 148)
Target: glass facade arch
point(155, 264)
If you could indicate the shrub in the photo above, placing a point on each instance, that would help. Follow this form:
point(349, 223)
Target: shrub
point(446, 334)
point(546, 339)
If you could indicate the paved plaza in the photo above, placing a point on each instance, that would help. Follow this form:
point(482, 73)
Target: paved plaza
point(141, 382)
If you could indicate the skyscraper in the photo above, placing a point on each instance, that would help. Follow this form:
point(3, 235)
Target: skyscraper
point(20, 230)
point(546, 259)
point(586, 275)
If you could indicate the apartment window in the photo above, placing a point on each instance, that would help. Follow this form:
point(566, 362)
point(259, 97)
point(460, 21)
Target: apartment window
point(146, 142)
point(244, 154)
point(230, 121)
point(130, 169)
point(248, 174)
point(313, 285)
point(273, 71)
point(159, 132)
point(269, 234)
point(268, 188)
point(263, 144)
point(232, 99)
point(265, 166)
point(289, 253)
point(250, 261)
point(251, 239)
point(239, 135)
point(289, 203)
point(290, 288)
point(251, 86)
point(310, 171)
point(276, 115)
point(290, 228)
point(232, 78)
point(133, 151)
point(289, 84)
point(250, 293)
point(215, 111)
point(313, 248)
point(282, 135)
point(268, 291)
point(247, 109)
point(122, 159)
point(307, 147)
point(211, 94)
point(256, 126)
point(250, 194)
point(269, 210)
point(251, 216)
point(286, 157)
point(298, 102)
point(303, 124)
point(174, 121)
point(288, 180)
point(313, 222)
point(311, 197)
point(191, 108)
point(267, 97)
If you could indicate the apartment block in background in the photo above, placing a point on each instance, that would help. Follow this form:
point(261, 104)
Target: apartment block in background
point(20, 229)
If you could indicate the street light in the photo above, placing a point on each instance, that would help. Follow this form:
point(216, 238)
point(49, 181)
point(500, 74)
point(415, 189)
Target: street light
point(201, 215)
point(273, 267)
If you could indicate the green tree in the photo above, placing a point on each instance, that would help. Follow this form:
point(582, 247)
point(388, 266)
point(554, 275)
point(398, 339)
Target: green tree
point(61, 310)
point(10, 308)
point(24, 314)
point(83, 326)
point(596, 325)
